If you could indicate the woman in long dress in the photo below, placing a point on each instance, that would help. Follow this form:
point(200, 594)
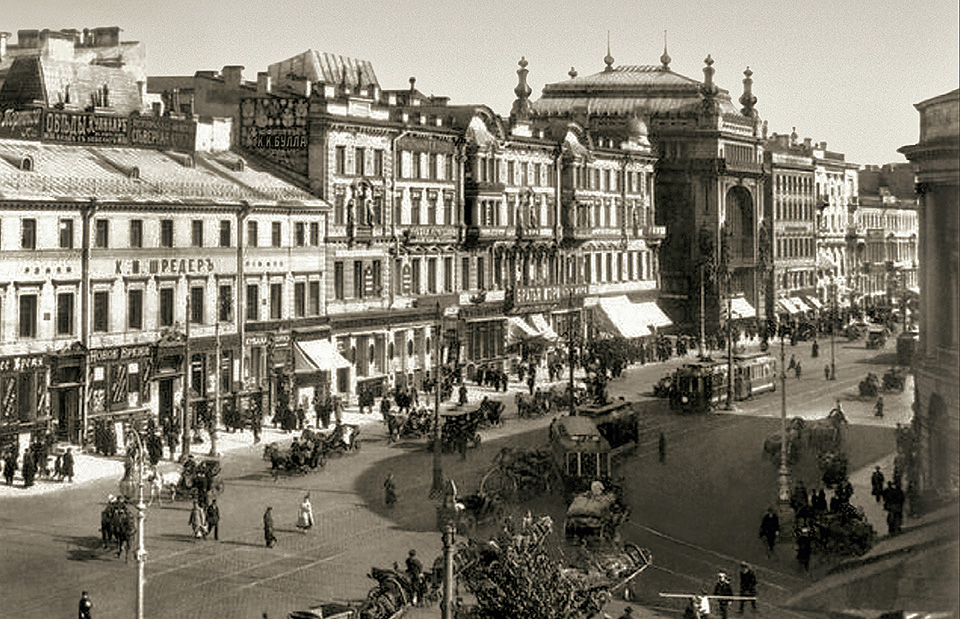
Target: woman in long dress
point(198, 521)
point(305, 515)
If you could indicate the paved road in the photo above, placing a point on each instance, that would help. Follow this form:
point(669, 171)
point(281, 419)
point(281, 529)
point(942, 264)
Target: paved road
point(688, 511)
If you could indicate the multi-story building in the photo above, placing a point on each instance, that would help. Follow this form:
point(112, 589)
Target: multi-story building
point(792, 209)
point(125, 258)
point(886, 229)
point(936, 425)
point(837, 198)
point(708, 178)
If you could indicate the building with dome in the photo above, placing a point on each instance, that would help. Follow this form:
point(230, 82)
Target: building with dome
point(708, 183)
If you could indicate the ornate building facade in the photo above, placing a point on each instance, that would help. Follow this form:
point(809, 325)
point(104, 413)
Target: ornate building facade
point(936, 423)
point(837, 199)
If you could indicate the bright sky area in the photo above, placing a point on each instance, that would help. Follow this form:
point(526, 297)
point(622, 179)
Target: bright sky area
point(840, 71)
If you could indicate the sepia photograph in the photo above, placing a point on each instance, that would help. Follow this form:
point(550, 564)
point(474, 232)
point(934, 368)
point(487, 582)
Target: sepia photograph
point(329, 309)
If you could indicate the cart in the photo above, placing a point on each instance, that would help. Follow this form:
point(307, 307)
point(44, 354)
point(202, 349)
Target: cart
point(459, 430)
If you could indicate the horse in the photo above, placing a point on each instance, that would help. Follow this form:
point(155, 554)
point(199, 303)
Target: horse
point(826, 434)
point(772, 444)
point(117, 525)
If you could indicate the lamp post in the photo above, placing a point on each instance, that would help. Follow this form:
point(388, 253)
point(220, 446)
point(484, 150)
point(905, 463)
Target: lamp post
point(729, 405)
point(187, 375)
point(570, 344)
point(141, 516)
point(833, 330)
point(446, 608)
point(783, 475)
point(436, 490)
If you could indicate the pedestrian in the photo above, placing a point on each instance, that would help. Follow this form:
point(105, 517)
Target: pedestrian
point(804, 547)
point(878, 408)
point(723, 588)
point(463, 394)
point(770, 530)
point(268, 535)
point(10, 467)
point(748, 585)
point(29, 469)
point(415, 573)
point(198, 521)
point(893, 500)
point(793, 362)
point(213, 519)
point(86, 606)
point(796, 368)
point(531, 379)
point(876, 484)
point(662, 448)
point(68, 465)
point(305, 514)
point(826, 372)
point(389, 491)
point(816, 349)
point(58, 468)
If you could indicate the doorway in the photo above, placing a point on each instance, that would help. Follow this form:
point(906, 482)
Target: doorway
point(66, 410)
point(165, 401)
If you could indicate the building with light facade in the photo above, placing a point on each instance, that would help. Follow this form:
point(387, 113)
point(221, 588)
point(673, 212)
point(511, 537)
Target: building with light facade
point(936, 425)
point(708, 185)
point(792, 209)
point(886, 231)
point(837, 199)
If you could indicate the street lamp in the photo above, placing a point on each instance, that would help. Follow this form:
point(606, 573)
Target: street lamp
point(141, 516)
point(833, 329)
point(436, 490)
point(783, 475)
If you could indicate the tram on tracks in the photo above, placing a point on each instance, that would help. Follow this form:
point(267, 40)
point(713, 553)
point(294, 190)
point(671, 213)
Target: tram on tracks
point(702, 385)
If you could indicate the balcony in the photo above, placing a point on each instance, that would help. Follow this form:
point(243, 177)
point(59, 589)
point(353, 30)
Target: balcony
point(430, 233)
point(587, 233)
point(487, 234)
point(474, 187)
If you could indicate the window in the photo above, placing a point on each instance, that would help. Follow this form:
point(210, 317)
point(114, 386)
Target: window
point(166, 233)
point(224, 233)
point(415, 273)
point(511, 179)
point(398, 210)
point(300, 299)
point(432, 210)
point(378, 162)
point(448, 274)
point(415, 210)
point(225, 303)
point(135, 309)
point(102, 239)
point(448, 167)
point(609, 267)
point(275, 233)
point(101, 311)
point(338, 280)
point(276, 301)
point(465, 273)
point(417, 165)
point(587, 270)
point(252, 234)
point(448, 210)
point(28, 234)
point(377, 277)
point(315, 234)
point(300, 233)
point(28, 315)
point(66, 234)
point(314, 298)
point(481, 284)
point(432, 275)
point(357, 279)
point(341, 161)
point(65, 313)
point(397, 278)
point(432, 165)
point(196, 233)
point(360, 161)
point(136, 233)
point(166, 307)
point(196, 305)
point(253, 302)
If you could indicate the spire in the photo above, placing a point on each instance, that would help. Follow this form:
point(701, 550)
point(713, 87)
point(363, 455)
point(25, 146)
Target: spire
point(521, 107)
point(708, 88)
point(572, 73)
point(608, 59)
point(747, 100)
point(665, 58)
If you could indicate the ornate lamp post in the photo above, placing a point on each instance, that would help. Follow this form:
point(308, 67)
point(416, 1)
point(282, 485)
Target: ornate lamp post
point(436, 489)
point(141, 516)
point(783, 474)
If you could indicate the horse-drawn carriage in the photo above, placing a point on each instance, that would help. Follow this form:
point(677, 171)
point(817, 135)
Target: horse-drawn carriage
point(467, 512)
point(536, 405)
point(821, 435)
point(893, 380)
point(519, 474)
point(118, 525)
point(416, 423)
point(459, 430)
point(876, 337)
point(596, 515)
point(312, 448)
point(388, 599)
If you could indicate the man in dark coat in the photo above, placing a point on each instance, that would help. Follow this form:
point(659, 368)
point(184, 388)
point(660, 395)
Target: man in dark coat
point(67, 466)
point(723, 587)
point(415, 573)
point(29, 469)
point(770, 529)
point(893, 500)
point(213, 519)
point(268, 534)
point(463, 394)
point(86, 607)
point(876, 483)
point(748, 584)
point(804, 547)
point(10, 467)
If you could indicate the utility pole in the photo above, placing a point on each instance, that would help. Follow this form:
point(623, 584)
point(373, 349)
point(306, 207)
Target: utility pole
point(833, 329)
point(783, 475)
point(216, 391)
point(570, 325)
point(436, 490)
point(141, 516)
point(703, 335)
point(187, 371)
point(729, 351)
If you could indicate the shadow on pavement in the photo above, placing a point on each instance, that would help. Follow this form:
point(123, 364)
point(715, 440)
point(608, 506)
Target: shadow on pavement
point(87, 548)
point(888, 359)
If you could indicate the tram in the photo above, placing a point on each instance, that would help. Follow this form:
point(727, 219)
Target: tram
point(702, 385)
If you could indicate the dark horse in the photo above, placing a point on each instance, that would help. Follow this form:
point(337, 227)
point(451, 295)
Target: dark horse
point(117, 525)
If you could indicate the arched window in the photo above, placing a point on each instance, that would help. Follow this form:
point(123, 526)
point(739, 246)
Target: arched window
point(26, 164)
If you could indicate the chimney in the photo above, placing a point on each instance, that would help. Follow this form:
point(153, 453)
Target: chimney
point(263, 83)
point(3, 44)
point(823, 146)
point(807, 143)
point(28, 38)
point(232, 75)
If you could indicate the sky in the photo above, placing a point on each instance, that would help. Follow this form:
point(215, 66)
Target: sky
point(841, 71)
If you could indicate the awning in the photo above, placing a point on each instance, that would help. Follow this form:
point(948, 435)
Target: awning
point(652, 315)
point(623, 316)
point(742, 309)
point(313, 355)
point(543, 327)
point(814, 302)
point(518, 330)
point(786, 306)
point(798, 302)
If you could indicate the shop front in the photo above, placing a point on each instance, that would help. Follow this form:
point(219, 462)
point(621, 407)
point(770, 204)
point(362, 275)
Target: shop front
point(66, 392)
point(23, 398)
point(119, 385)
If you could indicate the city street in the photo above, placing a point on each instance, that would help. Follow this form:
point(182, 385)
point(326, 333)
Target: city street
point(698, 512)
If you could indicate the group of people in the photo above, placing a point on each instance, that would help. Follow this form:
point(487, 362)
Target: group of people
point(893, 498)
point(205, 520)
point(304, 523)
point(36, 461)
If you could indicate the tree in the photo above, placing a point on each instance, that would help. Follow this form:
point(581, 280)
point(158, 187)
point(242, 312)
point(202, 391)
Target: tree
point(512, 575)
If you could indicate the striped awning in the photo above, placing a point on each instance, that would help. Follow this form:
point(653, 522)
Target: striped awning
point(799, 304)
point(518, 330)
point(814, 302)
point(786, 306)
point(543, 327)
